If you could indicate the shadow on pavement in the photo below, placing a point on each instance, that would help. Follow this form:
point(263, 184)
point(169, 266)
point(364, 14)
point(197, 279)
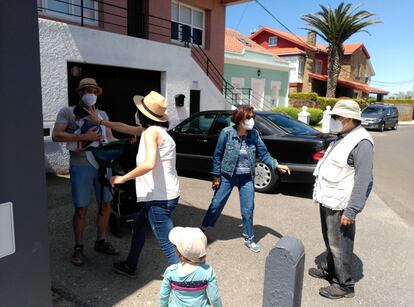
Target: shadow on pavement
point(94, 283)
point(357, 265)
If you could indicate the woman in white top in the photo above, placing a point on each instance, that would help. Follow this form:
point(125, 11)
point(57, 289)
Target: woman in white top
point(155, 176)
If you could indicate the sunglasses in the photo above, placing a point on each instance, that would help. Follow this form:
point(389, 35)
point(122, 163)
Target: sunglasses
point(335, 117)
point(250, 116)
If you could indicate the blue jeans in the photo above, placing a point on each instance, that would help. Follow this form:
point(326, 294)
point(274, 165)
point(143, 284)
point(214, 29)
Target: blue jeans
point(339, 242)
point(245, 185)
point(158, 214)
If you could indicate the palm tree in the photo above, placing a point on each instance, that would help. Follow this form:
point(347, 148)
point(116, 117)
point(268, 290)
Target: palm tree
point(335, 27)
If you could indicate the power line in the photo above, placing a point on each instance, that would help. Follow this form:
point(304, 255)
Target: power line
point(383, 83)
point(396, 82)
point(241, 16)
point(274, 17)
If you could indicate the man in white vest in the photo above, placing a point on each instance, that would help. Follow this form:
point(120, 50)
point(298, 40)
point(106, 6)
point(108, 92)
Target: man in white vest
point(342, 185)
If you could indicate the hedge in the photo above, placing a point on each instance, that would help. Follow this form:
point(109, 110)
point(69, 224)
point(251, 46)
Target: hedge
point(312, 100)
point(396, 100)
point(304, 96)
point(315, 114)
point(290, 111)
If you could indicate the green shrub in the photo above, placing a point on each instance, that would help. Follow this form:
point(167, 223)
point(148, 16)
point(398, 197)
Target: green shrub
point(304, 96)
point(323, 102)
point(290, 111)
point(315, 114)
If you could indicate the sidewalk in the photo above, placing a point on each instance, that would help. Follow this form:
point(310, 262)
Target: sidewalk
point(406, 123)
point(384, 253)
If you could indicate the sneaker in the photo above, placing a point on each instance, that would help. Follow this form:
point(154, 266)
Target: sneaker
point(319, 273)
point(255, 248)
point(105, 247)
point(78, 258)
point(335, 291)
point(123, 269)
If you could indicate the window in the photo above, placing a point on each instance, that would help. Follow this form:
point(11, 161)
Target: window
point(272, 41)
point(244, 42)
point(237, 91)
point(301, 69)
point(223, 121)
point(292, 126)
point(187, 22)
point(70, 9)
point(198, 125)
point(318, 67)
point(275, 89)
point(357, 71)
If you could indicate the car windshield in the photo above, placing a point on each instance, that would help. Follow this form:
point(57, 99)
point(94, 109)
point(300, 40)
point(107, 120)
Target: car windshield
point(290, 125)
point(371, 110)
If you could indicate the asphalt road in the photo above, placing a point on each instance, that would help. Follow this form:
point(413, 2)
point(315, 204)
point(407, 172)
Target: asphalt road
point(394, 170)
point(383, 254)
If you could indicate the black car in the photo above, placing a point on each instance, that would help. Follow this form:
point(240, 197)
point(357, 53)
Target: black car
point(380, 117)
point(291, 142)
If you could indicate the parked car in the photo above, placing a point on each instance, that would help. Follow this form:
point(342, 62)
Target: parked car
point(380, 117)
point(291, 142)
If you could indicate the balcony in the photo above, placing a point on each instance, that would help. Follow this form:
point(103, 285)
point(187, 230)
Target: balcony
point(116, 16)
point(109, 16)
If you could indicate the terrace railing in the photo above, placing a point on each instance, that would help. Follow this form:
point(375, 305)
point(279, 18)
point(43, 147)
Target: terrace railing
point(111, 17)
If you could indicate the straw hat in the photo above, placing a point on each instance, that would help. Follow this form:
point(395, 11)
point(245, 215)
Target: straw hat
point(152, 106)
point(89, 82)
point(190, 242)
point(348, 109)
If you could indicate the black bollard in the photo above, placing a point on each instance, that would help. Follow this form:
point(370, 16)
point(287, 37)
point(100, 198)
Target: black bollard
point(284, 274)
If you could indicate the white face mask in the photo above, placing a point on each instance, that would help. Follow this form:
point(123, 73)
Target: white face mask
point(335, 126)
point(137, 119)
point(248, 124)
point(89, 99)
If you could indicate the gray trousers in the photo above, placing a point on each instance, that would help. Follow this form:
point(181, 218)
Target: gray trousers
point(339, 242)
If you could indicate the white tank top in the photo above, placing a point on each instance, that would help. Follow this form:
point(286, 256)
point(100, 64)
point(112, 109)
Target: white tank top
point(162, 182)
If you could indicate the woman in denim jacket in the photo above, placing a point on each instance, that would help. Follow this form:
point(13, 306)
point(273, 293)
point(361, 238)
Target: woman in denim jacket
point(234, 163)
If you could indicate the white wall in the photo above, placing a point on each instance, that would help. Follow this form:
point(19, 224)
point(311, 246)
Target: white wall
point(60, 43)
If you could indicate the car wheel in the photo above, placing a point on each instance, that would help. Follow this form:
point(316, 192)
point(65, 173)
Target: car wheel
point(266, 179)
point(395, 126)
point(382, 127)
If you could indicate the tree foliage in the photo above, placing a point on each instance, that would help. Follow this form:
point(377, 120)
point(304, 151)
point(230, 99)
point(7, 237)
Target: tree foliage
point(335, 26)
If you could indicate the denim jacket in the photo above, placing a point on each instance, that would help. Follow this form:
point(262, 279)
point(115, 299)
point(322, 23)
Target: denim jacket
point(228, 149)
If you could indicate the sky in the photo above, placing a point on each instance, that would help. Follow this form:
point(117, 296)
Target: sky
point(390, 44)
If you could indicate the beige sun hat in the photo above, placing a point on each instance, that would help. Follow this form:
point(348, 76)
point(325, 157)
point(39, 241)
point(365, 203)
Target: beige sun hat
point(89, 82)
point(152, 106)
point(190, 242)
point(347, 108)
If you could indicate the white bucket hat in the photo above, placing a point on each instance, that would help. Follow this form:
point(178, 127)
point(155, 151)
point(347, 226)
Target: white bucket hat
point(348, 109)
point(190, 242)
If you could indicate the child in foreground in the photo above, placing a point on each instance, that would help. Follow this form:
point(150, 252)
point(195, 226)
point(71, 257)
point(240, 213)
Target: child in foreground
point(191, 282)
